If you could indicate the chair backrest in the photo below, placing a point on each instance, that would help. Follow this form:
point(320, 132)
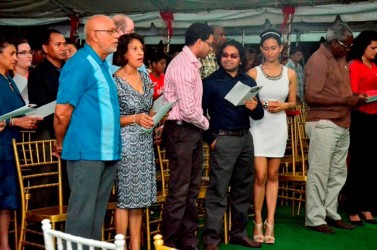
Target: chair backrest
point(32, 158)
point(58, 240)
point(162, 173)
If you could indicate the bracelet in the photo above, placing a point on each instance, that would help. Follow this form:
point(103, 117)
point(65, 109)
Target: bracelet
point(133, 119)
point(11, 122)
point(265, 105)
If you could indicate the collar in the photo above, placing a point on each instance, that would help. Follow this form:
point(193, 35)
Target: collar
point(191, 56)
point(221, 72)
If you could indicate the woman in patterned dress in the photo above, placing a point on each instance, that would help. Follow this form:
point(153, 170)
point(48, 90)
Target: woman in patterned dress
point(136, 175)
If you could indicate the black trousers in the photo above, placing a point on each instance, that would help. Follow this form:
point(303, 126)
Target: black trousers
point(184, 149)
point(361, 185)
point(232, 165)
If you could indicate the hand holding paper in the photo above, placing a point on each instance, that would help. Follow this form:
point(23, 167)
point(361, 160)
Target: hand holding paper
point(241, 92)
point(160, 114)
point(18, 112)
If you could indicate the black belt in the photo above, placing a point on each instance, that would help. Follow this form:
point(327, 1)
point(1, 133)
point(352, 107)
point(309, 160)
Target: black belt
point(239, 132)
point(177, 122)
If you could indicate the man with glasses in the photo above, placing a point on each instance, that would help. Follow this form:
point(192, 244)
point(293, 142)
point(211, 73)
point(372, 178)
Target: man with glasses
point(124, 25)
point(209, 64)
point(232, 149)
point(87, 126)
point(329, 95)
point(183, 140)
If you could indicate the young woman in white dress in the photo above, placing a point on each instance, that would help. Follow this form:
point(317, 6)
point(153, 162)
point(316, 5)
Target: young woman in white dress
point(270, 134)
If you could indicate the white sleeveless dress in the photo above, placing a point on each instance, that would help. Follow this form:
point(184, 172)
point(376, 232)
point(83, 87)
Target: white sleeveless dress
point(270, 134)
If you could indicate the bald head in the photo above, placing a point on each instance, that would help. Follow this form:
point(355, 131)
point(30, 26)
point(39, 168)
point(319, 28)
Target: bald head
point(101, 35)
point(124, 24)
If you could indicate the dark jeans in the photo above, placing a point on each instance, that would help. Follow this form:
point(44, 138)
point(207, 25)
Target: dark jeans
point(184, 149)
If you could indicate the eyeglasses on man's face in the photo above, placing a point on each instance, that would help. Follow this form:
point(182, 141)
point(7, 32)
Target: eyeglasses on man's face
point(344, 45)
point(231, 55)
point(25, 52)
point(209, 44)
point(110, 32)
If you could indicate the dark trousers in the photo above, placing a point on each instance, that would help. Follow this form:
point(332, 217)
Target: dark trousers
point(361, 187)
point(184, 149)
point(232, 165)
point(91, 183)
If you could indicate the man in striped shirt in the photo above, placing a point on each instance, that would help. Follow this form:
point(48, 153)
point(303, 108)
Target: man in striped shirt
point(183, 139)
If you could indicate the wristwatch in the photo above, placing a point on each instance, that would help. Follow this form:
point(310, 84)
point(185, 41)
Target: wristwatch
point(265, 105)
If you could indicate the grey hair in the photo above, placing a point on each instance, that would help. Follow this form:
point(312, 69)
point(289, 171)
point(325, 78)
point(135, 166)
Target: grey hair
point(120, 21)
point(338, 32)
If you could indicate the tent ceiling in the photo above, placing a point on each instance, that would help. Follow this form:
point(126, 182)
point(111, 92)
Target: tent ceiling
point(241, 18)
point(64, 8)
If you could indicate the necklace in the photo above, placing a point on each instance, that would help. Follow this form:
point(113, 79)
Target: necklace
point(272, 78)
point(134, 84)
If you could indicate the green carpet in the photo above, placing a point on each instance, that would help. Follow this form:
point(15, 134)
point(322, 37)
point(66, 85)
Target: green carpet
point(291, 233)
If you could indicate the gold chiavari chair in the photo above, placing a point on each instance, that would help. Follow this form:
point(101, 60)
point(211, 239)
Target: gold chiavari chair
point(159, 243)
point(153, 214)
point(293, 175)
point(31, 157)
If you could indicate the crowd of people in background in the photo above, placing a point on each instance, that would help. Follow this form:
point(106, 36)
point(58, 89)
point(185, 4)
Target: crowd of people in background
point(109, 85)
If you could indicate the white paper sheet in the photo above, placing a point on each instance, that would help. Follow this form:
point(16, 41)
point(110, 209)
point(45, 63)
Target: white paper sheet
point(44, 110)
point(160, 114)
point(157, 104)
point(20, 111)
point(241, 92)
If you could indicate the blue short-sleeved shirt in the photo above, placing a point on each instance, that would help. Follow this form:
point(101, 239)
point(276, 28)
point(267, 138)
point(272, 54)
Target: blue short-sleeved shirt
point(94, 131)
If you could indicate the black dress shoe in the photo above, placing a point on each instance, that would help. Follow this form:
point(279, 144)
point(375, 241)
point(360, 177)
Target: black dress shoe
point(371, 221)
point(212, 246)
point(357, 222)
point(339, 224)
point(246, 242)
point(322, 229)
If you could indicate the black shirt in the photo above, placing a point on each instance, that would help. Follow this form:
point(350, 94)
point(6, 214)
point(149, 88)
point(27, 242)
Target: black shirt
point(43, 83)
point(223, 114)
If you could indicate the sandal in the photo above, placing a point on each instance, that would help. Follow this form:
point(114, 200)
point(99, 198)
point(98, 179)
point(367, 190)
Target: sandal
point(258, 232)
point(268, 238)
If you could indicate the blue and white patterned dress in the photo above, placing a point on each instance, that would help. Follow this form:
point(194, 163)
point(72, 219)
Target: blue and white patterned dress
point(136, 174)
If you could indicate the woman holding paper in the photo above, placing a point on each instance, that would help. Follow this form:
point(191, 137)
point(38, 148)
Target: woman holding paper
point(10, 99)
point(270, 134)
point(136, 175)
point(361, 185)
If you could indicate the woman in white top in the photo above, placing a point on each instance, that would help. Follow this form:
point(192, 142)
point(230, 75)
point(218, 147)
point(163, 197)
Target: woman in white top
point(270, 134)
point(21, 71)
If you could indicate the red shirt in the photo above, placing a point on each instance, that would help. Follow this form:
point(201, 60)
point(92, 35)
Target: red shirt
point(364, 79)
point(158, 85)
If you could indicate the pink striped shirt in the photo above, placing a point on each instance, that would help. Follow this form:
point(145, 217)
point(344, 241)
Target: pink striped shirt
point(183, 83)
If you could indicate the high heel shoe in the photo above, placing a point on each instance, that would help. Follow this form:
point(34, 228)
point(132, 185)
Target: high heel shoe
point(370, 220)
point(268, 238)
point(258, 237)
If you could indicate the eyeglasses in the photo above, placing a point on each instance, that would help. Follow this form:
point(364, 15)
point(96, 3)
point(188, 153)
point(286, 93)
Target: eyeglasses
point(25, 52)
point(232, 55)
point(344, 45)
point(110, 32)
point(209, 44)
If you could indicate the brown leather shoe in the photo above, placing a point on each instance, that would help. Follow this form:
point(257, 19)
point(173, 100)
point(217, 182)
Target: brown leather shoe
point(339, 224)
point(246, 242)
point(212, 246)
point(322, 229)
